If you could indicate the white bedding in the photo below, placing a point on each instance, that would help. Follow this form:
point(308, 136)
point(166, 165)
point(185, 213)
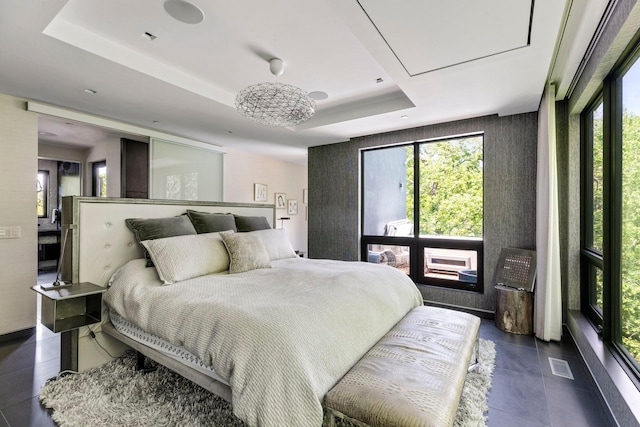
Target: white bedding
point(281, 337)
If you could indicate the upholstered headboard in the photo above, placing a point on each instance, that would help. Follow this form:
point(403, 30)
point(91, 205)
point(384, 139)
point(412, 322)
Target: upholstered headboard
point(99, 242)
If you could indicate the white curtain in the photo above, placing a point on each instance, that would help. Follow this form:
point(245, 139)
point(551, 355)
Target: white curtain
point(548, 297)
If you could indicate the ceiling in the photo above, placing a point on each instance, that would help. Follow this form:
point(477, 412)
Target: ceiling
point(384, 65)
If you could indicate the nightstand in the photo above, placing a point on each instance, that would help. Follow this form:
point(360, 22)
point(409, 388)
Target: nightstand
point(69, 308)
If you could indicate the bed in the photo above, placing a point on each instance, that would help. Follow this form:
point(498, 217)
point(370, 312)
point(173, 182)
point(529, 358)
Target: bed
point(272, 338)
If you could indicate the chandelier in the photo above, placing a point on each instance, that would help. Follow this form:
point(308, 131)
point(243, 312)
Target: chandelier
point(275, 104)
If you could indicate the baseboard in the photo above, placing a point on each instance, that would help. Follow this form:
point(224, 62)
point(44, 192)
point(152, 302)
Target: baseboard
point(25, 333)
point(483, 314)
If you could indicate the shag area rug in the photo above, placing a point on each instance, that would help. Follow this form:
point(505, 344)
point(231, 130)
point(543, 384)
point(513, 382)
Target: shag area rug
point(116, 395)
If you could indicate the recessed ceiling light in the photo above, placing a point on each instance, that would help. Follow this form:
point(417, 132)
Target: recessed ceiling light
point(147, 35)
point(157, 122)
point(318, 95)
point(229, 132)
point(404, 117)
point(184, 11)
point(91, 91)
point(43, 133)
point(379, 80)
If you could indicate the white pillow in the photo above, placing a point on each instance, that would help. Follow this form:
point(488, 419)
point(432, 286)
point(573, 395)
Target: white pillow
point(276, 243)
point(185, 257)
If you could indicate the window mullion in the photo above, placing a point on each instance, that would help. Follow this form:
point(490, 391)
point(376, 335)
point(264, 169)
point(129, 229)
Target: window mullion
point(612, 225)
point(615, 289)
point(418, 266)
point(416, 189)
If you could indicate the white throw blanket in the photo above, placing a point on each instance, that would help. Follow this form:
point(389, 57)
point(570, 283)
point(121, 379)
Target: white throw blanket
point(282, 337)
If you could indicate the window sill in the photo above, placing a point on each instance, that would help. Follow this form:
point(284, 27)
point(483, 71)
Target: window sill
point(620, 393)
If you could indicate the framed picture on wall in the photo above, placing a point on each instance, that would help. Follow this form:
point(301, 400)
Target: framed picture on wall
point(259, 192)
point(280, 200)
point(292, 207)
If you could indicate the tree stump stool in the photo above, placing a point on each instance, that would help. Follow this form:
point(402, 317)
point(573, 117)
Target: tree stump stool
point(514, 310)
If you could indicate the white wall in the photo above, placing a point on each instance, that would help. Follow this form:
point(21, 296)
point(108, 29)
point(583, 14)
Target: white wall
point(58, 152)
point(109, 150)
point(18, 172)
point(242, 169)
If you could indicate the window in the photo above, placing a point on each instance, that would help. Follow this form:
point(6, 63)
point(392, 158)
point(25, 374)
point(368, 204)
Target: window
point(42, 187)
point(100, 179)
point(450, 187)
point(436, 188)
point(610, 247)
point(592, 214)
point(629, 239)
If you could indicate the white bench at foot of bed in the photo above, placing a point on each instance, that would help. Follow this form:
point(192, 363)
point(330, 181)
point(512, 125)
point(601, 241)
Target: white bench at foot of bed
point(414, 375)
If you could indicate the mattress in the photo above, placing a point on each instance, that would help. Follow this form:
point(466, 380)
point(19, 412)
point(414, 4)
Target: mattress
point(179, 354)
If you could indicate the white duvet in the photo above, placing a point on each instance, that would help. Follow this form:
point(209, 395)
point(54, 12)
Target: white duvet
point(281, 337)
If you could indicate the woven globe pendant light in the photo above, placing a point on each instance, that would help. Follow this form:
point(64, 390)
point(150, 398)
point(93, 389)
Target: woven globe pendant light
point(274, 103)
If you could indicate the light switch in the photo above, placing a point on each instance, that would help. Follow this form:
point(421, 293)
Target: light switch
point(10, 232)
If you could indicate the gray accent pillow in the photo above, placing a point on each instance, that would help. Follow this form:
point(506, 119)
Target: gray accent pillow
point(251, 223)
point(207, 222)
point(158, 228)
point(246, 251)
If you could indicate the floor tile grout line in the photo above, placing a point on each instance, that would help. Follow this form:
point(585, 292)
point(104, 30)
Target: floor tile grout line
point(31, 367)
point(537, 373)
point(544, 384)
point(6, 421)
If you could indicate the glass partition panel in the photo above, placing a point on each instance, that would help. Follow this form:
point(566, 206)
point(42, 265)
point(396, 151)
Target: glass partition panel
point(185, 172)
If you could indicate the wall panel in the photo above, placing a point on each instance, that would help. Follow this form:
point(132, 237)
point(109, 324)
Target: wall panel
point(18, 174)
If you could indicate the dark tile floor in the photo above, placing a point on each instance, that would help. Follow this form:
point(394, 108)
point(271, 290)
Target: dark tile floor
point(524, 392)
point(25, 365)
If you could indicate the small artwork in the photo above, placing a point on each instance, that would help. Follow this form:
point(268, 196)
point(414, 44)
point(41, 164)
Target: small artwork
point(305, 196)
point(292, 207)
point(281, 200)
point(259, 192)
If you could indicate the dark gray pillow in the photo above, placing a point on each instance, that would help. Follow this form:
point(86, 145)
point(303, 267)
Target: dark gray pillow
point(157, 228)
point(251, 223)
point(207, 222)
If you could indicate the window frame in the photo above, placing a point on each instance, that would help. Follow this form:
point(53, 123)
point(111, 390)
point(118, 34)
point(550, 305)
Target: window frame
point(589, 256)
point(95, 181)
point(608, 323)
point(614, 91)
point(417, 243)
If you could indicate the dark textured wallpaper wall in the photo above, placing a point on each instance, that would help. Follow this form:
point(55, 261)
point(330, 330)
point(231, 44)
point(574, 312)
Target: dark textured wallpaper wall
point(510, 146)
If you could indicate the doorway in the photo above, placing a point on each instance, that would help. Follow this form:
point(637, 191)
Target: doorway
point(56, 179)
